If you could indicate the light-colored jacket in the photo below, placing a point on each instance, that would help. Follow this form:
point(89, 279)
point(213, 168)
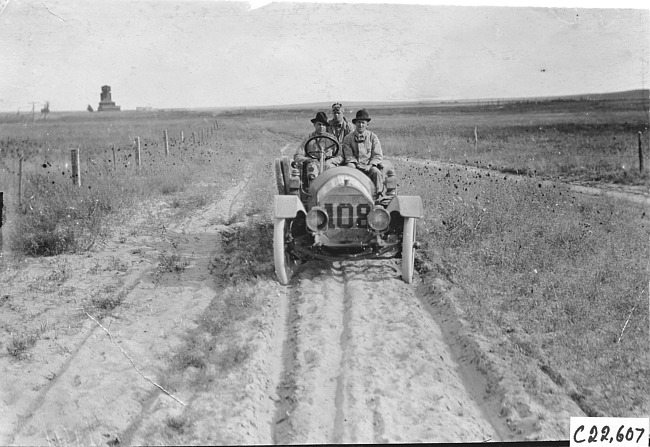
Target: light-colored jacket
point(341, 130)
point(365, 152)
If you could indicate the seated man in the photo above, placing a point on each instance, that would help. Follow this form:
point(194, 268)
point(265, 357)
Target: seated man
point(339, 126)
point(320, 125)
point(362, 150)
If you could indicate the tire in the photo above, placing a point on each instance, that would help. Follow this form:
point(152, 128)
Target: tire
point(281, 257)
point(286, 172)
point(279, 177)
point(408, 250)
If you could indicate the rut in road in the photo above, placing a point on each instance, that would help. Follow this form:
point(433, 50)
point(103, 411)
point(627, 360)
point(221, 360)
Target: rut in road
point(366, 363)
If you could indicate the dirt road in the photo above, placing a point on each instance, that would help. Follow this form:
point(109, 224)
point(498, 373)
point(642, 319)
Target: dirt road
point(346, 353)
point(366, 363)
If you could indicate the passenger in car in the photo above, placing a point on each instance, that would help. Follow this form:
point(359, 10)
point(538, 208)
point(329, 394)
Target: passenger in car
point(339, 126)
point(362, 150)
point(320, 128)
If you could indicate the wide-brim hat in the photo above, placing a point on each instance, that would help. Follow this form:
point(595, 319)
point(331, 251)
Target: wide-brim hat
point(361, 115)
point(321, 117)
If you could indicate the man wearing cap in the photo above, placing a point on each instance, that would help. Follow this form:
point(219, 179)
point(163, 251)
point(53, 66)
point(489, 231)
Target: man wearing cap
point(362, 150)
point(339, 126)
point(320, 128)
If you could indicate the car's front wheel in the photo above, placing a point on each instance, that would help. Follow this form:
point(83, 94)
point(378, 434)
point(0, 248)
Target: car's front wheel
point(281, 256)
point(408, 249)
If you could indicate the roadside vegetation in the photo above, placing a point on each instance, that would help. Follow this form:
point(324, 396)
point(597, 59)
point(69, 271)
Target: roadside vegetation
point(552, 277)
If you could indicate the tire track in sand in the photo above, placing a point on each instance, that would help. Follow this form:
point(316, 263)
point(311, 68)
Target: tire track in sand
point(366, 363)
point(307, 413)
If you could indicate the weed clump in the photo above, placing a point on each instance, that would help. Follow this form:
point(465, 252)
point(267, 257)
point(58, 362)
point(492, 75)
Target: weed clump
point(233, 357)
point(172, 263)
point(109, 301)
point(58, 218)
point(217, 345)
point(194, 352)
point(178, 424)
point(247, 252)
point(19, 346)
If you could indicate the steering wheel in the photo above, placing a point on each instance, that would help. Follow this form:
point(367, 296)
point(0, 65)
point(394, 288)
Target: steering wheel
point(322, 144)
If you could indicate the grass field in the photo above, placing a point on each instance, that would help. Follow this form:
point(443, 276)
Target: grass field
point(574, 140)
point(545, 274)
point(56, 217)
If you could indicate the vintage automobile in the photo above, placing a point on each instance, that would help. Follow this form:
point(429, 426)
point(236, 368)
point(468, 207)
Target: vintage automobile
point(338, 214)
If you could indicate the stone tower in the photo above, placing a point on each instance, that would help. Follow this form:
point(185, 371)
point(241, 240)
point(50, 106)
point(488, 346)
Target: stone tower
point(105, 103)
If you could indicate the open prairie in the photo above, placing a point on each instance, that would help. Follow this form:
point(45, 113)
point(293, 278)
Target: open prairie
point(142, 306)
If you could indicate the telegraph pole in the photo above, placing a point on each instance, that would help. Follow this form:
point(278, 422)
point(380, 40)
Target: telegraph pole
point(33, 106)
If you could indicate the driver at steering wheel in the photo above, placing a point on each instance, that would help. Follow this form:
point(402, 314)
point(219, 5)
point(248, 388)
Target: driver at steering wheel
point(320, 129)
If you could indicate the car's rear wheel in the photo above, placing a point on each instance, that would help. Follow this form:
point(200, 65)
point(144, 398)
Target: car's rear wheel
point(286, 171)
point(281, 256)
point(408, 249)
point(279, 177)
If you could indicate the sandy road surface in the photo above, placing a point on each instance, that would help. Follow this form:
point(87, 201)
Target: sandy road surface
point(366, 363)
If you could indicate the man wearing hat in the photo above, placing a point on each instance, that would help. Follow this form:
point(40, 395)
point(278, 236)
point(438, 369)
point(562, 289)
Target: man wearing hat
point(362, 150)
point(339, 126)
point(320, 128)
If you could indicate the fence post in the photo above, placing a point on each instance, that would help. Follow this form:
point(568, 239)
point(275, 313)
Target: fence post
point(20, 181)
point(2, 219)
point(476, 138)
point(137, 152)
point(114, 161)
point(166, 143)
point(640, 155)
point(193, 138)
point(75, 163)
point(182, 137)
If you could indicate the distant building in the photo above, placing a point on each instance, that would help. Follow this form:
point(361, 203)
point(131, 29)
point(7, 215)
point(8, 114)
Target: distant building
point(144, 109)
point(105, 103)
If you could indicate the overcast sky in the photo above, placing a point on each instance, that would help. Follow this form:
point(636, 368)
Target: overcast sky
point(181, 53)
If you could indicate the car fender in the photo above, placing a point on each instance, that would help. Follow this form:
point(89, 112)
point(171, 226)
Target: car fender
point(407, 206)
point(287, 207)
